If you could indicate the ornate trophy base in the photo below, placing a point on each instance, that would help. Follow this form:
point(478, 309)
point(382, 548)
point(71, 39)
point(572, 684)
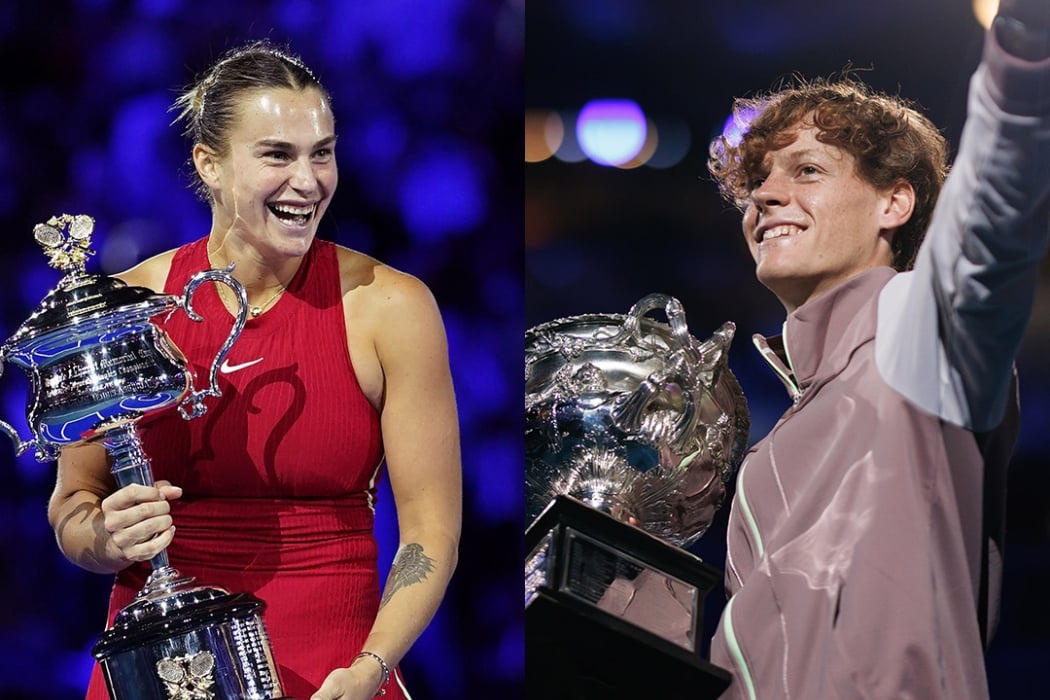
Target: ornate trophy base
point(177, 640)
point(612, 612)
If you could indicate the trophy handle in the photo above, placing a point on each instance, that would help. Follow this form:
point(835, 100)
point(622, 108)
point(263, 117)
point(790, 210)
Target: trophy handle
point(20, 445)
point(44, 451)
point(671, 306)
point(673, 383)
point(193, 405)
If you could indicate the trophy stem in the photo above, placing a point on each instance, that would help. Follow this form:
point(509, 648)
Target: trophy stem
point(132, 466)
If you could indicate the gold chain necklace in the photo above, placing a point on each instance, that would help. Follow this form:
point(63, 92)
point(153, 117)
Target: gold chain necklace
point(255, 310)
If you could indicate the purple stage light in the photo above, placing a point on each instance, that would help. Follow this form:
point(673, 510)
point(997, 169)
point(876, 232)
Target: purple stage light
point(736, 125)
point(611, 131)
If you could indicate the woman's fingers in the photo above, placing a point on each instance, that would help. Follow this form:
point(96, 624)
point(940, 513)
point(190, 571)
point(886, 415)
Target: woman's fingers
point(138, 519)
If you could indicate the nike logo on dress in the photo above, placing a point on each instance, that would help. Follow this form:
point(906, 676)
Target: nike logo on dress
point(227, 368)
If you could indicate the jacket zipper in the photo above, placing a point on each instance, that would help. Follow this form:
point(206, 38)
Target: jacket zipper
point(785, 373)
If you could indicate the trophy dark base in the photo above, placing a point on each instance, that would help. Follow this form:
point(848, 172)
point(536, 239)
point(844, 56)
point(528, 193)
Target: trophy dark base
point(576, 646)
point(573, 654)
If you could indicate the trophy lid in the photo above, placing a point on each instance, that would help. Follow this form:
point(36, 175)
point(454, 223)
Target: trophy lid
point(87, 296)
point(79, 296)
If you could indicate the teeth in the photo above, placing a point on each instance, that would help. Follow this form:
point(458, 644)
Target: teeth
point(293, 211)
point(778, 231)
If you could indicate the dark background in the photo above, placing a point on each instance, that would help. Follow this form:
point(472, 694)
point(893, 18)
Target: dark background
point(600, 238)
point(428, 103)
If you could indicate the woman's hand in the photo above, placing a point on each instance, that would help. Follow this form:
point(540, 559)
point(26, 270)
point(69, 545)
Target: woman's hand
point(138, 519)
point(361, 681)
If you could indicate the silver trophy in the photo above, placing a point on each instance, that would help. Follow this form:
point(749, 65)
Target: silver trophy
point(632, 428)
point(96, 365)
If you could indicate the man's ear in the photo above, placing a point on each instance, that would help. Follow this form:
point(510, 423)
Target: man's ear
point(898, 207)
point(206, 161)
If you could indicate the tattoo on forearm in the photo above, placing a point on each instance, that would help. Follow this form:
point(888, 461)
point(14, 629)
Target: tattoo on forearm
point(410, 566)
point(97, 553)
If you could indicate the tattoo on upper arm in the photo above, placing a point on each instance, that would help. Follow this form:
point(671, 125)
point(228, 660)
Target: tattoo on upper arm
point(410, 566)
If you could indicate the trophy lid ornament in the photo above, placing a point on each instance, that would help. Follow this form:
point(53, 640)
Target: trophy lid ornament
point(65, 239)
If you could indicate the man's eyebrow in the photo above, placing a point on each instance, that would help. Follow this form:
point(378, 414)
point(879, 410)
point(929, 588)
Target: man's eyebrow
point(807, 152)
point(793, 157)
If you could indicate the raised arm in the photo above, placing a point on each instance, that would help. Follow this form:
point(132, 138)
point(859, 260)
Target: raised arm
point(950, 330)
point(421, 439)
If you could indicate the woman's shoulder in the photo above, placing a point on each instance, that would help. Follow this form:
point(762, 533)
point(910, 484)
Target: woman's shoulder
point(396, 309)
point(366, 277)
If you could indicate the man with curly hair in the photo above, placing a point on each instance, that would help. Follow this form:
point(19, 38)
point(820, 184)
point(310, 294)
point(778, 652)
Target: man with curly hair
point(865, 532)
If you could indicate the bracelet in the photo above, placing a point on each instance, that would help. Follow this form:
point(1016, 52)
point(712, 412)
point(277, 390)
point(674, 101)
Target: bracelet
point(386, 671)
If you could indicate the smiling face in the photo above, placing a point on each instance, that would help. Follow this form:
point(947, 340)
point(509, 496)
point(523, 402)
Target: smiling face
point(811, 222)
point(277, 175)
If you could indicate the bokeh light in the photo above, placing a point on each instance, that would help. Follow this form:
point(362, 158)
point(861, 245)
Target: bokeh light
point(544, 132)
point(675, 141)
point(984, 11)
point(648, 149)
point(611, 131)
point(666, 140)
point(569, 151)
point(442, 192)
point(736, 125)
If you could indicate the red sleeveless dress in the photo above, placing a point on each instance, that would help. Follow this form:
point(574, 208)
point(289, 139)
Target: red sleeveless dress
point(278, 475)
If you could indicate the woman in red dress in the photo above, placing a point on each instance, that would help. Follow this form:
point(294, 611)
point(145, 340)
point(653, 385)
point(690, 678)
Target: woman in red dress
point(342, 367)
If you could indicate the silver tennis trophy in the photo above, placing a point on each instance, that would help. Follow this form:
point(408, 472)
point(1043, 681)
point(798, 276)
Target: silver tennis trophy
point(96, 365)
point(632, 429)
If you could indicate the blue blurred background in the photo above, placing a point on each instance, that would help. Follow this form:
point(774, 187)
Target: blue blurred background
point(428, 102)
point(599, 237)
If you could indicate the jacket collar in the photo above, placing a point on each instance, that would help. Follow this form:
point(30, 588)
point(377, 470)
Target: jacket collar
point(820, 336)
